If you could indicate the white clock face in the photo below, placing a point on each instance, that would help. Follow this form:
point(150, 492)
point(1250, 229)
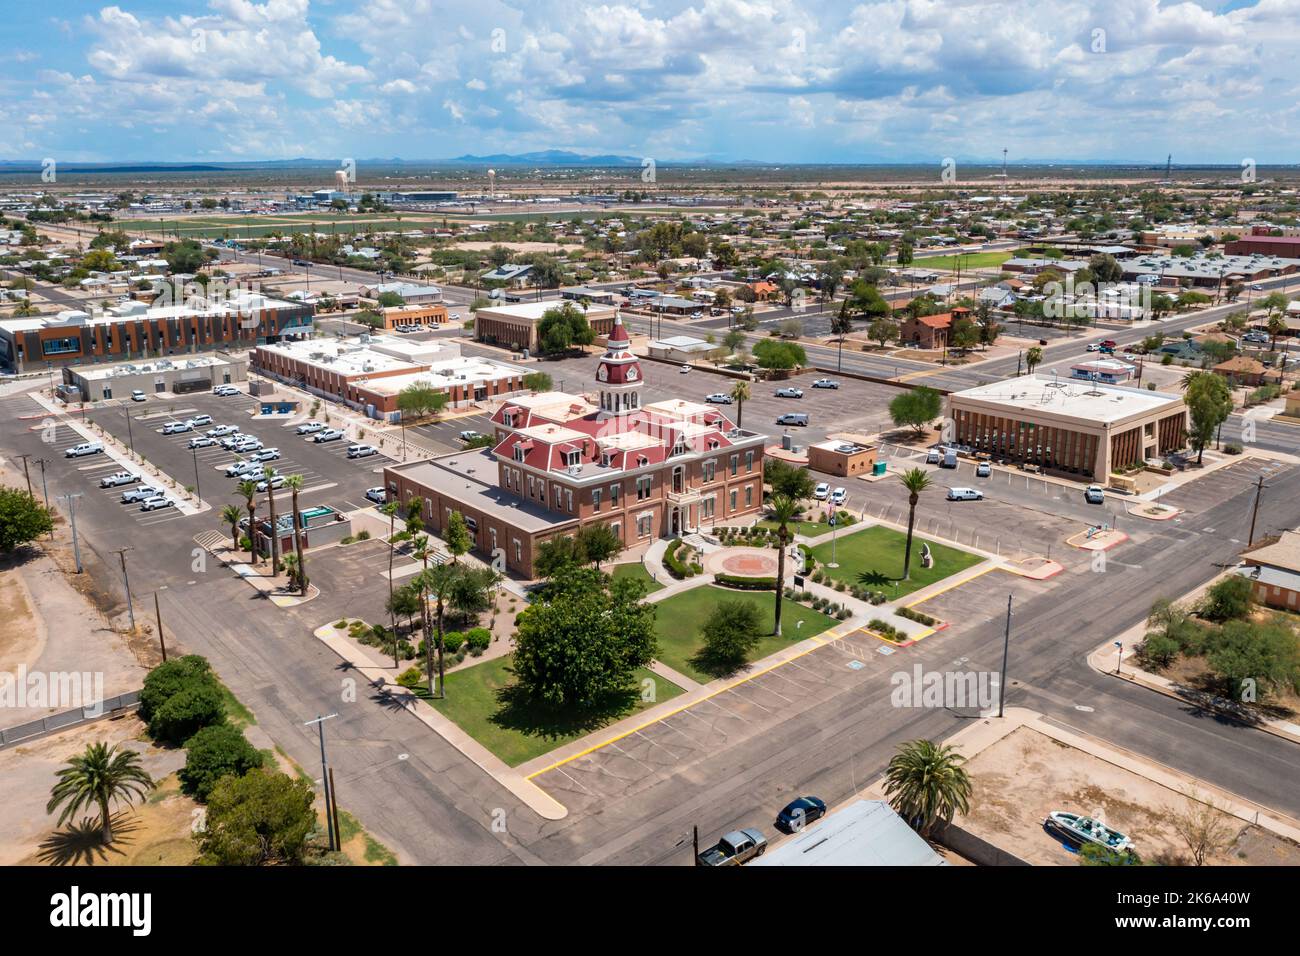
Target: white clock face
point(631, 375)
point(602, 373)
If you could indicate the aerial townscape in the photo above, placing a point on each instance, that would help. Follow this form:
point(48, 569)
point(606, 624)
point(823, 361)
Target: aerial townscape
point(689, 465)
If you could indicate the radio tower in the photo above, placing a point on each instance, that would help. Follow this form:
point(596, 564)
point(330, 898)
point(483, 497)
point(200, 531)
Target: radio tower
point(1004, 162)
point(1169, 168)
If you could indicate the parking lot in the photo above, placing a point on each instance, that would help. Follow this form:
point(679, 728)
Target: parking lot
point(1210, 490)
point(329, 476)
point(751, 707)
point(856, 406)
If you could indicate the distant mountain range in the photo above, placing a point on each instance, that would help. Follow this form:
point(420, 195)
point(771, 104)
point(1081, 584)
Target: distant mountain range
point(549, 157)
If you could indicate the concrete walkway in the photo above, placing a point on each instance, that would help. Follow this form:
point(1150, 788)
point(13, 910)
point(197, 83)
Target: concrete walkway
point(531, 795)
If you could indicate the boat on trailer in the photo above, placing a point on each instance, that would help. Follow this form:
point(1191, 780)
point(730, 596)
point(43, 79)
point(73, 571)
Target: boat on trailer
point(1081, 829)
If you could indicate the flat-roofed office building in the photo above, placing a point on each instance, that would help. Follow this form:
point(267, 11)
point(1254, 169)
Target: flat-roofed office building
point(1088, 429)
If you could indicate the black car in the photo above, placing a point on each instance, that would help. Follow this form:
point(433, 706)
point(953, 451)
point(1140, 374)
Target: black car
point(799, 813)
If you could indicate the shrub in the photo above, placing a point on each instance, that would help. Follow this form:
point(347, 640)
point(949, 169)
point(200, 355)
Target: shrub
point(676, 566)
point(346, 539)
point(841, 586)
point(411, 677)
point(745, 584)
point(1227, 599)
point(917, 616)
point(1158, 649)
point(1232, 448)
point(179, 698)
point(341, 624)
point(452, 640)
point(886, 630)
point(363, 535)
point(213, 752)
point(479, 638)
point(843, 614)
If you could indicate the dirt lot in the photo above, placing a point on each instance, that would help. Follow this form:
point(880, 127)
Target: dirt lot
point(1026, 775)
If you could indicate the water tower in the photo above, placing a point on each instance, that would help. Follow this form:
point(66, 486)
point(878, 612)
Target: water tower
point(342, 182)
point(492, 184)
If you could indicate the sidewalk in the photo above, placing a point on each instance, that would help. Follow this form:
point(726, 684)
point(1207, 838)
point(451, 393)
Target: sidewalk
point(273, 587)
point(531, 795)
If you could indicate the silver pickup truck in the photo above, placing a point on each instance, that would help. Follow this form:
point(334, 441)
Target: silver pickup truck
point(737, 847)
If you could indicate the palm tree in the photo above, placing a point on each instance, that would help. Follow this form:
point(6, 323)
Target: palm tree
point(925, 782)
point(248, 489)
point(268, 473)
point(231, 514)
point(97, 777)
point(740, 395)
point(915, 480)
point(390, 509)
point(437, 581)
point(783, 510)
point(294, 484)
point(1033, 357)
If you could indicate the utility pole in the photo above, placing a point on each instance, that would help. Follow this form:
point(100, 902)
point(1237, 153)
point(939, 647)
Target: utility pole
point(1006, 647)
point(129, 436)
point(324, 776)
point(121, 553)
point(1254, 512)
point(198, 490)
point(26, 475)
point(72, 518)
point(45, 491)
point(162, 641)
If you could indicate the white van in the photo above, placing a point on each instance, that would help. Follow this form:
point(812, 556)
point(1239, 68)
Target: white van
point(793, 418)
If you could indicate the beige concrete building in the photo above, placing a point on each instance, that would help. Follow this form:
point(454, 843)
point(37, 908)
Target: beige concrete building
point(1086, 429)
point(515, 326)
point(842, 458)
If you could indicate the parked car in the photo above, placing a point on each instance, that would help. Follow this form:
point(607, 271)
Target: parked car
point(221, 431)
point(469, 435)
point(362, 451)
point(197, 420)
point(821, 491)
point(239, 469)
point(838, 496)
point(983, 470)
point(142, 493)
point(329, 434)
point(225, 391)
point(965, 494)
point(1094, 495)
point(949, 459)
point(718, 398)
point(310, 428)
point(378, 495)
point(175, 428)
point(684, 369)
point(932, 456)
point(1108, 343)
point(201, 441)
point(799, 813)
point(266, 454)
point(789, 391)
point(275, 481)
point(138, 396)
point(118, 478)
point(248, 443)
point(825, 383)
point(85, 448)
point(734, 849)
point(793, 418)
point(156, 502)
point(1094, 347)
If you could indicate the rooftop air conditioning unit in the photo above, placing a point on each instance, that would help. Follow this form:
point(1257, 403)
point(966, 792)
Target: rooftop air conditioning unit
point(575, 469)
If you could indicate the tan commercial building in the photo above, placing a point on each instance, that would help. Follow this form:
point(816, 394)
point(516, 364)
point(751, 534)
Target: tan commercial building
point(396, 315)
point(1087, 429)
point(841, 458)
point(515, 326)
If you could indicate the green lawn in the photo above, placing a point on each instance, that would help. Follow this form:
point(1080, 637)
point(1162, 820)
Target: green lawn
point(809, 529)
point(637, 572)
point(517, 732)
point(877, 553)
point(969, 260)
point(680, 620)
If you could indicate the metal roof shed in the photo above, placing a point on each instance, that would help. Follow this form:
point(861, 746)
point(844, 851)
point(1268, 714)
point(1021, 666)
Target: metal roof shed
point(865, 833)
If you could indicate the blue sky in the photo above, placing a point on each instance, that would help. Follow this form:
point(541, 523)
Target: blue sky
point(776, 80)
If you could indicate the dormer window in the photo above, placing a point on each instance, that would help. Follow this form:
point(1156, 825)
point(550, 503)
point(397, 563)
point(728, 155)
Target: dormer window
point(519, 453)
point(508, 419)
point(572, 458)
point(642, 461)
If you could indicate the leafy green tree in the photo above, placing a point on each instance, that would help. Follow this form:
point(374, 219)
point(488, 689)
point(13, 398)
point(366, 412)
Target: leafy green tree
point(916, 481)
point(1227, 599)
point(23, 519)
point(926, 782)
point(916, 408)
point(883, 330)
point(793, 481)
point(390, 300)
point(599, 543)
point(538, 382)
point(563, 328)
point(179, 698)
point(1208, 397)
point(581, 645)
point(262, 818)
point(211, 754)
point(185, 256)
point(456, 535)
point(99, 776)
point(774, 354)
point(1252, 660)
point(419, 399)
point(731, 634)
